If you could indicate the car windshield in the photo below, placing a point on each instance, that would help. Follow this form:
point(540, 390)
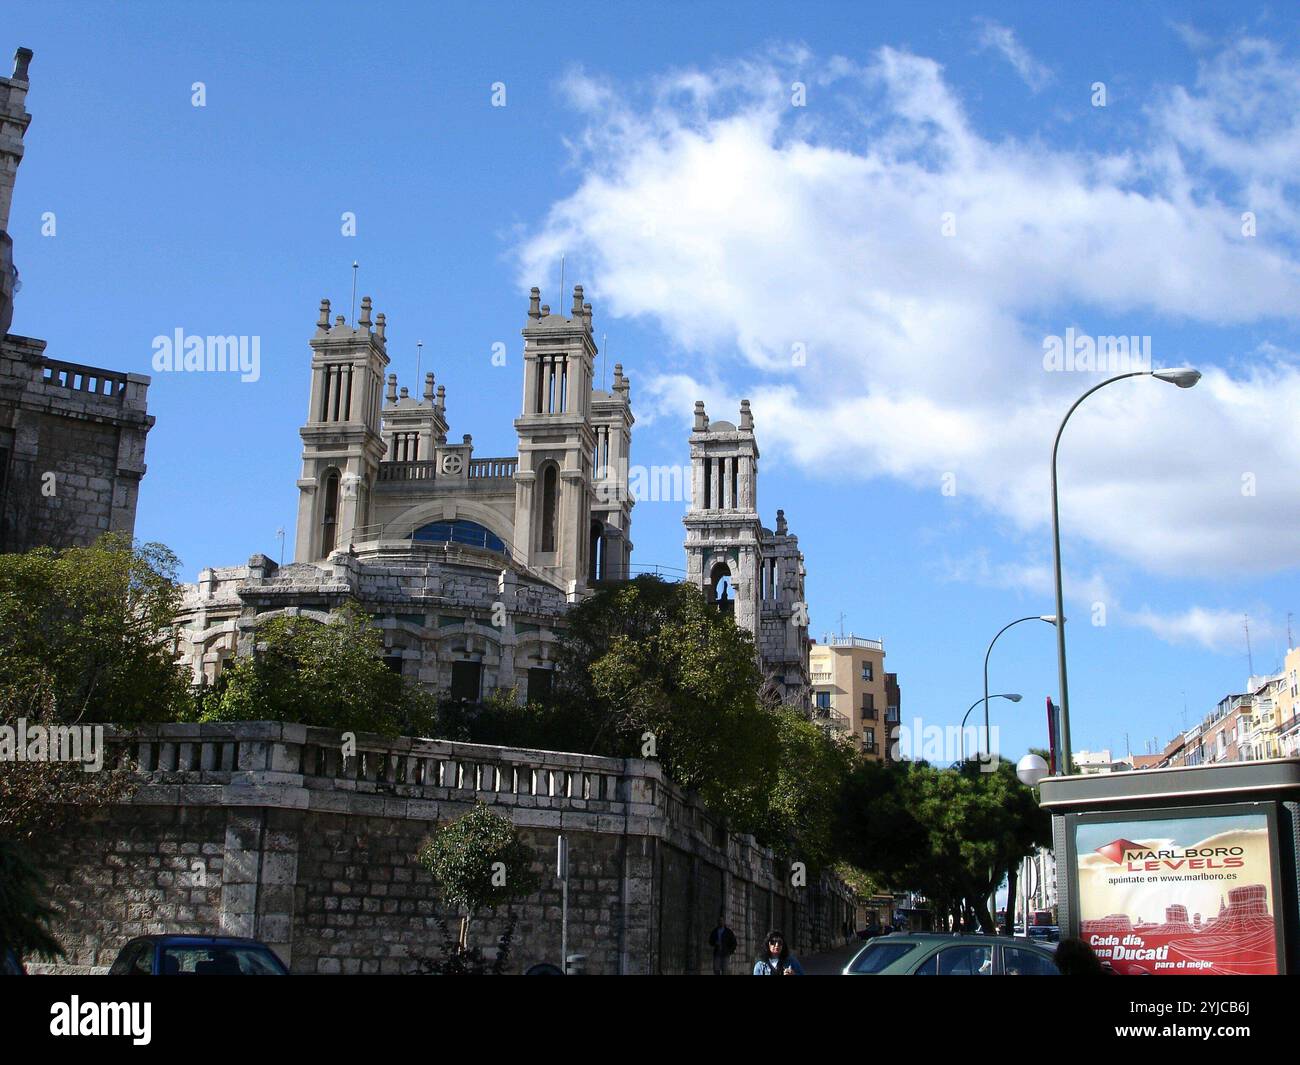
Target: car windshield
point(219, 961)
point(879, 956)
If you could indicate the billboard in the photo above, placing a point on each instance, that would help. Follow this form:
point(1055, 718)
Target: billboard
point(1179, 895)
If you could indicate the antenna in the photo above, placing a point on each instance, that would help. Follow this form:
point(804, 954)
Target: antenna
point(354, 293)
point(419, 350)
point(280, 534)
point(841, 624)
point(1250, 657)
point(1184, 711)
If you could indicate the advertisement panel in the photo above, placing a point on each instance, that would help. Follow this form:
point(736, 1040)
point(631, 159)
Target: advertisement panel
point(1179, 895)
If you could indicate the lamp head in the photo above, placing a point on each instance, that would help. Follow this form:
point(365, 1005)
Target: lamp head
point(1182, 376)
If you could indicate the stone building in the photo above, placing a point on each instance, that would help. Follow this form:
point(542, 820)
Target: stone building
point(751, 572)
point(467, 563)
point(72, 437)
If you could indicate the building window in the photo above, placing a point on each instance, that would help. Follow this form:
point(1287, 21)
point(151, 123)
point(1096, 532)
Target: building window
point(720, 588)
point(867, 672)
point(869, 740)
point(539, 684)
point(466, 680)
point(868, 706)
point(823, 700)
point(460, 531)
point(330, 517)
point(549, 507)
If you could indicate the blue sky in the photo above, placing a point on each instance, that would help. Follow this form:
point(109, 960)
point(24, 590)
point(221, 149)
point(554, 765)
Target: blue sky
point(947, 196)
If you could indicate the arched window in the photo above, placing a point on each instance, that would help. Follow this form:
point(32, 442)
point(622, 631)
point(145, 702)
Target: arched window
point(721, 591)
point(460, 531)
point(550, 478)
point(597, 552)
point(330, 512)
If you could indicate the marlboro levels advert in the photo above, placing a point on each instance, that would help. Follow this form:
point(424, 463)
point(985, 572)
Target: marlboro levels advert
point(1186, 896)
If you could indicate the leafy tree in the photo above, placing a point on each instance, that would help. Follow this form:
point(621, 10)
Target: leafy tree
point(478, 861)
point(88, 629)
point(24, 916)
point(330, 674)
point(949, 833)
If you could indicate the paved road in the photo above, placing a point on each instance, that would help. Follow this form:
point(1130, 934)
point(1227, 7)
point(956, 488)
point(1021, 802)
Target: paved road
point(829, 963)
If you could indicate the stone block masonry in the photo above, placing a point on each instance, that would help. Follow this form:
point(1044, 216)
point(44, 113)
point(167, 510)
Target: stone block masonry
point(266, 830)
point(72, 441)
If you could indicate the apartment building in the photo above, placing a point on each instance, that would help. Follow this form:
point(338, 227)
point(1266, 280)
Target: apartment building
point(852, 694)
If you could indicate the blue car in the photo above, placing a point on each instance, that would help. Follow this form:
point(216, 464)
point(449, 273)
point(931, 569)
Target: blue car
point(196, 956)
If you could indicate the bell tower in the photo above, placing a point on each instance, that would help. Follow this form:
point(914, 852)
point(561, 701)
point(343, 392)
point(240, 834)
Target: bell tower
point(553, 484)
point(341, 441)
point(723, 534)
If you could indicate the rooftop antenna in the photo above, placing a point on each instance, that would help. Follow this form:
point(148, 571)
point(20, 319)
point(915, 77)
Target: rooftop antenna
point(419, 350)
point(354, 293)
point(1184, 711)
point(1250, 657)
point(841, 624)
point(280, 534)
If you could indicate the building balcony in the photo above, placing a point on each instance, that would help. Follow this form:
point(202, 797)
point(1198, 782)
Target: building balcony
point(853, 641)
point(821, 677)
point(830, 719)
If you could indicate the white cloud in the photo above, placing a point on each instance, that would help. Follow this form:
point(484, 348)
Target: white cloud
point(1003, 40)
point(742, 227)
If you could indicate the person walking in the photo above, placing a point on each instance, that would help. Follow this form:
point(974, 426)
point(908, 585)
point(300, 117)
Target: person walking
point(723, 941)
point(776, 960)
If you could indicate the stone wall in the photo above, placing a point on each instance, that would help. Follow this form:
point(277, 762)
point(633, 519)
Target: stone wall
point(72, 442)
point(267, 830)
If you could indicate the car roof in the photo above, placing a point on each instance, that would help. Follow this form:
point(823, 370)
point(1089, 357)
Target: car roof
point(942, 937)
point(183, 939)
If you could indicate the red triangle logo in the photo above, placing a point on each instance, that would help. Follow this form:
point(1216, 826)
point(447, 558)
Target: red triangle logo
point(1116, 849)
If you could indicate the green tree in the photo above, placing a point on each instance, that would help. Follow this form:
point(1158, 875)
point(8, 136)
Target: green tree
point(24, 916)
point(330, 674)
point(479, 861)
point(86, 631)
point(949, 833)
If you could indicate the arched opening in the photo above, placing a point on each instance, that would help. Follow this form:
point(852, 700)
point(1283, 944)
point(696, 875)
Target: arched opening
point(460, 531)
point(596, 554)
point(550, 505)
point(722, 592)
point(330, 513)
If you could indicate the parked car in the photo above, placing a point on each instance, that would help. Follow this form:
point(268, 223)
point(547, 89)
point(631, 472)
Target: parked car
point(936, 954)
point(1048, 932)
point(196, 956)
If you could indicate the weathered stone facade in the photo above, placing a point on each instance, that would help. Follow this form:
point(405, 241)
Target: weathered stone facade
point(265, 830)
point(749, 570)
point(468, 564)
point(71, 437)
point(72, 442)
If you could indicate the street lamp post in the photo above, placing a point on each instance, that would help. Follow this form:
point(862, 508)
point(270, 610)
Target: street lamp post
point(1032, 617)
point(1014, 697)
point(1183, 377)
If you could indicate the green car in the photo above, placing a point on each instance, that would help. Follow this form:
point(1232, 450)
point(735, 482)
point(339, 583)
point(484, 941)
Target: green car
point(935, 954)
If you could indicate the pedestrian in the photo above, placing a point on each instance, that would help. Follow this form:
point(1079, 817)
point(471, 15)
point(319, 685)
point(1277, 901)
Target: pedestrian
point(1075, 958)
point(777, 960)
point(723, 941)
